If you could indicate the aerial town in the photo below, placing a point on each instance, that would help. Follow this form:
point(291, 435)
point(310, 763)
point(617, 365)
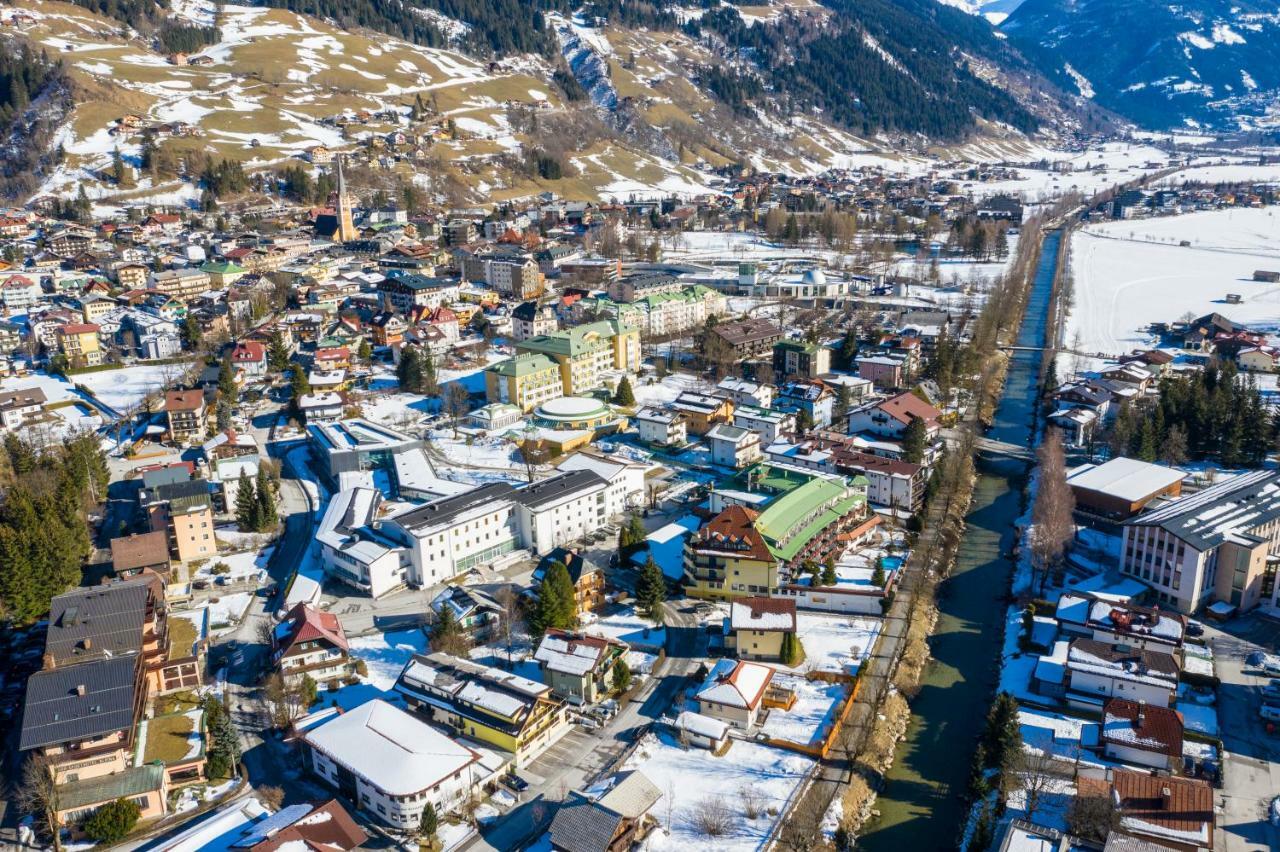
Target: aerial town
point(819, 512)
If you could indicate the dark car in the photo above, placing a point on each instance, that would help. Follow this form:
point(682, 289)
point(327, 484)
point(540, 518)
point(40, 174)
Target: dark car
point(515, 782)
point(1195, 628)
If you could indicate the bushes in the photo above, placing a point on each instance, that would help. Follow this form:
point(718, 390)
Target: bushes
point(111, 822)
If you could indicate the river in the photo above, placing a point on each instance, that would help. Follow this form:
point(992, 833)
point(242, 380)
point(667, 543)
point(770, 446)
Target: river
point(921, 806)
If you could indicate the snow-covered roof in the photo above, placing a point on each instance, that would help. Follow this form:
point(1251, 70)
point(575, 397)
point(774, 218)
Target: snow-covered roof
point(736, 683)
point(389, 748)
point(1127, 479)
point(703, 726)
point(573, 654)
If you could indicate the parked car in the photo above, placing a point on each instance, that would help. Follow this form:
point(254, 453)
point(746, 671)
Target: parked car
point(515, 782)
point(1271, 692)
point(1194, 628)
point(1270, 712)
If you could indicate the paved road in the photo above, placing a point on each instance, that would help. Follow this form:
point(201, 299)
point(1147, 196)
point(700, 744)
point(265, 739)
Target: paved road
point(582, 755)
point(1251, 770)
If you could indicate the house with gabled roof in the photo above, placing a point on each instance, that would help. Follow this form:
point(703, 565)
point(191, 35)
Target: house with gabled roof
point(758, 625)
point(734, 691)
point(578, 667)
point(310, 642)
point(1143, 734)
point(611, 816)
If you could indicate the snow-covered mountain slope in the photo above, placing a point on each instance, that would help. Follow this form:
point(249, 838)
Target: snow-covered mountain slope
point(994, 11)
point(1160, 63)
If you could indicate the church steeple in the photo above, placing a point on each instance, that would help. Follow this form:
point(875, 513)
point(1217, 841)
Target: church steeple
point(346, 224)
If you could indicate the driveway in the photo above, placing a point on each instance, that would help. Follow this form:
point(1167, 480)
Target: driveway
point(1251, 764)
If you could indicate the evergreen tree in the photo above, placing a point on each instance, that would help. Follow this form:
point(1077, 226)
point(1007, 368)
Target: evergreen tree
point(111, 822)
point(877, 574)
point(829, 576)
point(248, 516)
point(651, 591)
point(298, 383)
point(621, 675)
point(191, 331)
point(277, 352)
point(265, 501)
point(624, 396)
point(1002, 738)
point(792, 652)
point(430, 823)
point(914, 440)
point(409, 370)
point(223, 749)
point(365, 351)
point(557, 606)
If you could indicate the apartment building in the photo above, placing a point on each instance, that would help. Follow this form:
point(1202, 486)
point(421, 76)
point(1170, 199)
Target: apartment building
point(800, 358)
point(527, 381)
point(184, 511)
point(515, 714)
point(447, 537)
point(181, 284)
point(578, 667)
point(353, 548)
point(393, 764)
point(585, 353)
point(409, 291)
point(1212, 545)
point(79, 342)
point(16, 407)
point(554, 512)
point(746, 551)
point(185, 412)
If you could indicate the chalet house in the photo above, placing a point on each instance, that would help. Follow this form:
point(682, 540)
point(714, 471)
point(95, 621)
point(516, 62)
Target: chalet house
point(1117, 624)
point(612, 817)
point(890, 417)
point(514, 713)
point(1165, 811)
point(134, 554)
point(1141, 734)
point(16, 407)
point(587, 578)
point(311, 643)
point(185, 411)
point(477, 613)
point(578, 667)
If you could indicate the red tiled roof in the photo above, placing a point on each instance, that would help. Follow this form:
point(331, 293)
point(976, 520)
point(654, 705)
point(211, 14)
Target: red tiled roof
point(306, 624)
point(904, 406)
point(734, 530)
point(327, 828)
point(79, 328)
point(1141, 726)
point(1166, 804)
point(249, 350)
point(184, 400)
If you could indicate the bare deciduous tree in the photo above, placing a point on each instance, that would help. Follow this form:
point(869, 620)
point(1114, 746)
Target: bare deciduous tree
point(711, 817)
point(1037, 776)
point(1053, 526)
point(752, 801)
point(37, 794)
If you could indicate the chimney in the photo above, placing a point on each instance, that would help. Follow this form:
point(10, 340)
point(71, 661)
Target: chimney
point(86, 643)
point(80, 690)
point(1166, 799)
point(1142, 711)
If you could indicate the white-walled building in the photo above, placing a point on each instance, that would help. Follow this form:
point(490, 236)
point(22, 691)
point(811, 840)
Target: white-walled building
point(733, 446)
point(553, 512)
point(392, 764)
point(771, 425)
point(450, 536)
point(354, 551)
point(659, 426)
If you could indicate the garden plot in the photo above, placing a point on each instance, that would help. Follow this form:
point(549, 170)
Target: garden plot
point(808, 720)
point(835, 643)
point(694, 781)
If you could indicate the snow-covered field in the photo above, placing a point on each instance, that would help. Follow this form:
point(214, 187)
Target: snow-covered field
point(809, 718)
point(627, 626)
point(834, 643)
point(691, 778)
point(1131, 273)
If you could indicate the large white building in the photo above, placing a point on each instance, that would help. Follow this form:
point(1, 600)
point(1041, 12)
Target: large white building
point(553, 512)
point(1214, 544)
point(392, 764)
point(450, 536)
point(353, 549)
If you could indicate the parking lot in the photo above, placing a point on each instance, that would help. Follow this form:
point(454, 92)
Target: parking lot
point(1251, 759)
